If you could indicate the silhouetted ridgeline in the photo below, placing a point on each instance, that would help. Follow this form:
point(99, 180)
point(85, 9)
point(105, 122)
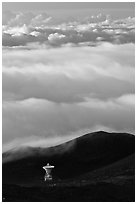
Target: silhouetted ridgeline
point(71, 159)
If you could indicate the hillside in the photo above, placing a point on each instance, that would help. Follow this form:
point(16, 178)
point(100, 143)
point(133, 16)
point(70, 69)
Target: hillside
point(71, 159)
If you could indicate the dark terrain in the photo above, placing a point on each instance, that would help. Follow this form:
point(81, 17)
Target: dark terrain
point(97, 167)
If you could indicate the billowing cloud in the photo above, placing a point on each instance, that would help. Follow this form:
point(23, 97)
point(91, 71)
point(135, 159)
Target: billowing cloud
point(64, 78)
point(23, 28)
point(45, 119)
point(63, 92)
point(80, 73)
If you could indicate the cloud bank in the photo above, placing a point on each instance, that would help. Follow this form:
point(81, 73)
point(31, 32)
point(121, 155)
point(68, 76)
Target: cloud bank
point(58, 92)
point(19, 29)
point(63, 80)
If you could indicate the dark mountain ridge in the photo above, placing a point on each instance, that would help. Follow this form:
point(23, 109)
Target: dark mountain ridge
point(74, 158)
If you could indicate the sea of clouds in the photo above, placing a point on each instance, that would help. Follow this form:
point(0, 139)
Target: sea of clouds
point(62, 80)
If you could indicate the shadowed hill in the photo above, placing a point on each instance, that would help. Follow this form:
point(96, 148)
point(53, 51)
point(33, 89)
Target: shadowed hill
point(71, 159)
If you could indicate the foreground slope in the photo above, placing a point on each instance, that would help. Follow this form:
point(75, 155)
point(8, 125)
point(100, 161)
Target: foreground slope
point(112, 183)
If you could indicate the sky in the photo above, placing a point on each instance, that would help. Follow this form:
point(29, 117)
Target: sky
point(68, 69)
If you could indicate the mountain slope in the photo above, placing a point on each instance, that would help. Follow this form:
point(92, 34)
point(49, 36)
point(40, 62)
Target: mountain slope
point(71, 159)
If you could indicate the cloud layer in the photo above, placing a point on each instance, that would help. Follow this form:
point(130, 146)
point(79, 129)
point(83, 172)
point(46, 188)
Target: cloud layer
point(22, 28)
point(63, 80)
point(57, 92)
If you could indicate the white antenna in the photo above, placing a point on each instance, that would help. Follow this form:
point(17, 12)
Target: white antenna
point(48, 168)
